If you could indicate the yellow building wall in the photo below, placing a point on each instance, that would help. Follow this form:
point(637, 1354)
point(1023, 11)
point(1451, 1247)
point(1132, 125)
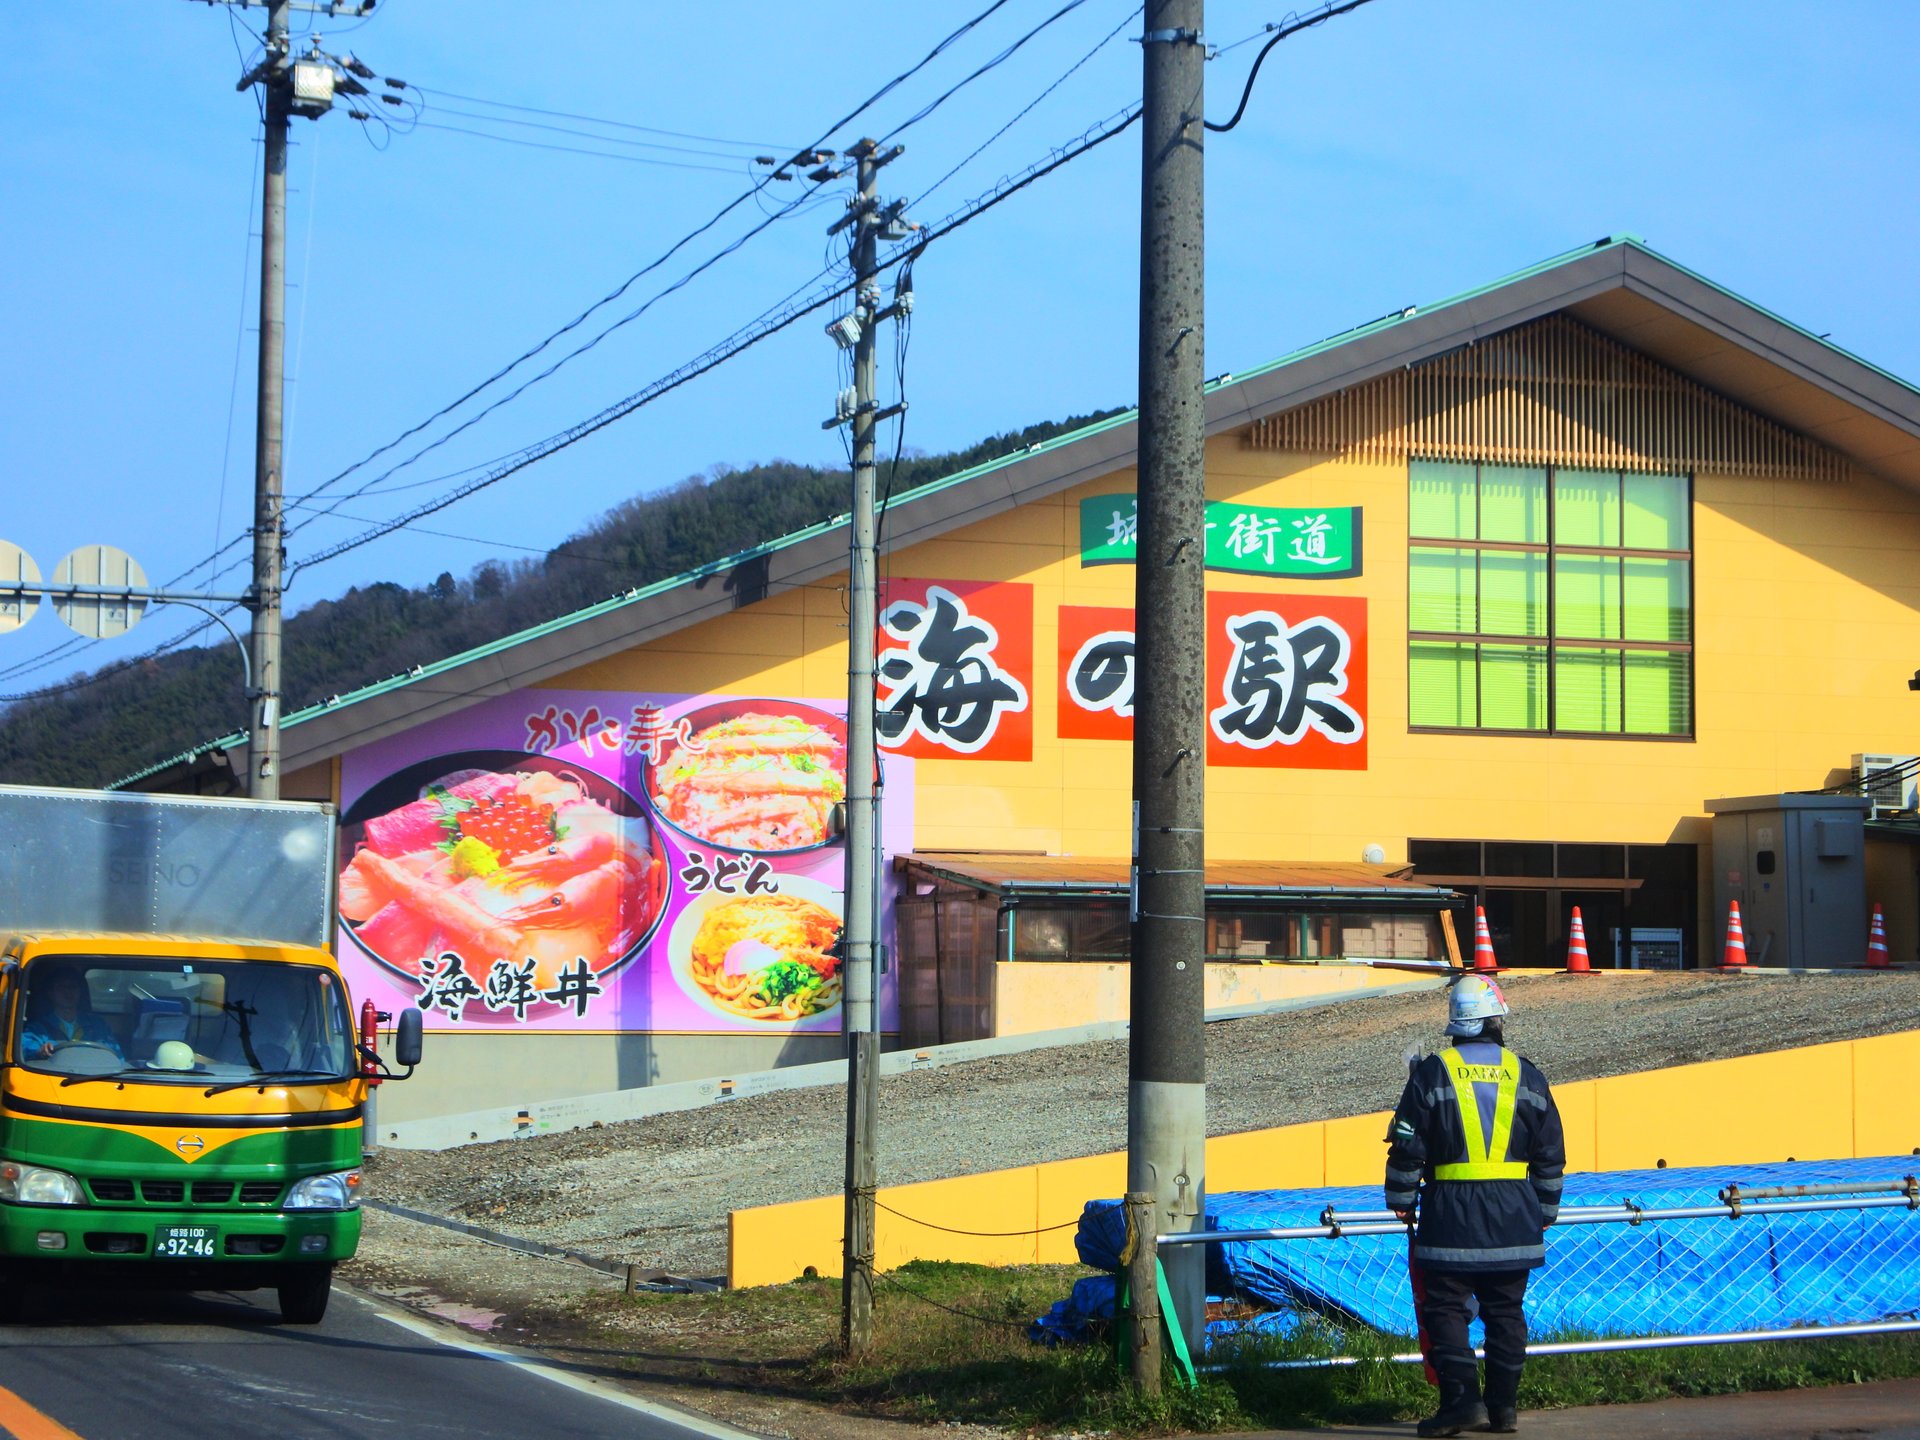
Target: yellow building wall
point(1851, 1098)
point(1807, 622)
point(1030, 996)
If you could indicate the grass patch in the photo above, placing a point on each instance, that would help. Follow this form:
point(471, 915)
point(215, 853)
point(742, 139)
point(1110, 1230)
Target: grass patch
point(950, 1344)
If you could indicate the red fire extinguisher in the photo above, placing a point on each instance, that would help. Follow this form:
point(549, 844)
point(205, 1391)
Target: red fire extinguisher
point(370, 1018)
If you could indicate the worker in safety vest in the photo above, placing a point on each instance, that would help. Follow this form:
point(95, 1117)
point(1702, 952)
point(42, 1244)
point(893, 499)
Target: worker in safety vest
point(1478, 1125)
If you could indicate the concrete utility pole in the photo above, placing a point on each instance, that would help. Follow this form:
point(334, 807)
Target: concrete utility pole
point(1166, 1071)
point(289, 87)
point(263, 720)
point(870, 220)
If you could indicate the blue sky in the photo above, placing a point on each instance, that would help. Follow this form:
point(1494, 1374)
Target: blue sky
point(1393, 156)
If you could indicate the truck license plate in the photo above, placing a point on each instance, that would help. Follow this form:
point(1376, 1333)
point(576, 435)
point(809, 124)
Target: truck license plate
point(185, 1242)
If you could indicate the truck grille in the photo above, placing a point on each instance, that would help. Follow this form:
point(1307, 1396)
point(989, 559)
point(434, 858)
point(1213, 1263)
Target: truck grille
point(180, 1192)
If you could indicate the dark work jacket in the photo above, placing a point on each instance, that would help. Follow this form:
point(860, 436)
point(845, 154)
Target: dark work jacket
point(1475, 1225)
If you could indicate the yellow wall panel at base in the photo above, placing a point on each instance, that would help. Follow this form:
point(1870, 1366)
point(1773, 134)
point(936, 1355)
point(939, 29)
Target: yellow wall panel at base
point(1849, 1098)
point(1357, 1148)
point(1576, 1105)
point(939, 1212)
point(772, 1244)
point(1886, 1110)
point(1290, 1157)
point(1064, 1189)
point(1789, 1104)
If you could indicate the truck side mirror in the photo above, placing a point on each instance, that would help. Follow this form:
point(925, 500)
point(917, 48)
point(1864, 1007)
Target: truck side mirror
point(406, 1040)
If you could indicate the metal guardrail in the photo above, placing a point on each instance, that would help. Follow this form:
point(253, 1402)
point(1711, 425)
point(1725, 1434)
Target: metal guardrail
point(1735, 1203)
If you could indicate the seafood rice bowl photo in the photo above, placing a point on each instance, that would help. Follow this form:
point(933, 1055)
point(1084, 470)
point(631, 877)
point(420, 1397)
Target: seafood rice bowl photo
point(500, 856)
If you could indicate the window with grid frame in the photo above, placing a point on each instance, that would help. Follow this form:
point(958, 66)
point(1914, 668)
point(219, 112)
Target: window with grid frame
point(1549, 600)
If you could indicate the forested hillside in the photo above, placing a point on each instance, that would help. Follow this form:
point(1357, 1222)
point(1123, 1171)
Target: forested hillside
point(95, 728)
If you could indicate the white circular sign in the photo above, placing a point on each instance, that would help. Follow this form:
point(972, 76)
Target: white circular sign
point(16, 568)
point(114, 573)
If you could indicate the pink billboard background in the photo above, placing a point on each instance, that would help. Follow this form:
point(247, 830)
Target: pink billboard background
point(592, 860)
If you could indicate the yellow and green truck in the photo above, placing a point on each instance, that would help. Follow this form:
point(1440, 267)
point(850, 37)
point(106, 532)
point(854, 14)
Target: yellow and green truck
point(183, 1080)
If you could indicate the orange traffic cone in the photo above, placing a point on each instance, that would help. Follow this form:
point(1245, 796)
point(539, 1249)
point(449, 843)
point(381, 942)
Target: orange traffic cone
point(1735, 955)
point(1577, 962)
point(1482, 942)
point(1877, 956)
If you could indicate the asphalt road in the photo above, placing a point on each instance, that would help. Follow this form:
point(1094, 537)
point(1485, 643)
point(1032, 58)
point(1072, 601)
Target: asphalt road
point(157, 1366)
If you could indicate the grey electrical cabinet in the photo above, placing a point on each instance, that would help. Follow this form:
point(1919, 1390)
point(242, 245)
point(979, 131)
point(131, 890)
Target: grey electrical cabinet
point(1797, 865)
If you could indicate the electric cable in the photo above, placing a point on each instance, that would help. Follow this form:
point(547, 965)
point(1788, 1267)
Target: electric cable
point(301, 500)
point(1029, 107)
point(603, 139)
point(886, 89)
point(533, 380)
point(575, 149)
point(615, 124)
point(1281, 30)
point(741, 340)
point(239, 344)
point(993, 64)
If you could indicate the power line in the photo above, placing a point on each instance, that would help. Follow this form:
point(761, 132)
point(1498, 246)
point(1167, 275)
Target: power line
point(533, 380)
point(1026, 110)
point(590, 135)
point(614, 124)
point(993, 64)
point(886, 89)
point(1281, 30)
point(575, 149)
point(302, 501)
point(741, 340)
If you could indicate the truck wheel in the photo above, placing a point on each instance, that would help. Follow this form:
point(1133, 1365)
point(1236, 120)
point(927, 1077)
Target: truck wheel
point(304, 1294)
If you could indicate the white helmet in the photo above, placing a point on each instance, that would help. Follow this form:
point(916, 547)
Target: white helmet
point(1472, 1000)
point(172, 1055)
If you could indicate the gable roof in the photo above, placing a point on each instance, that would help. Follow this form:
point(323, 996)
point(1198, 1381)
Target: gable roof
point(1615, 285)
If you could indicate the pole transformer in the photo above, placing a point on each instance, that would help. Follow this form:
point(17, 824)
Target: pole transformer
point(1166, 1071)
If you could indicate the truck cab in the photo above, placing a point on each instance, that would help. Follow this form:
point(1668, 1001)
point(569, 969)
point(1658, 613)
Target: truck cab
point(179, 1109)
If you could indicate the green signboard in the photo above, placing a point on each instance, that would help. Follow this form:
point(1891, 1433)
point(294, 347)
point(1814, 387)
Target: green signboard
point(1244, 539)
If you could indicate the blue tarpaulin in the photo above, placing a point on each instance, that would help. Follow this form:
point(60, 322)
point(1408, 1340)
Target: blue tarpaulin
point(1660, 1277)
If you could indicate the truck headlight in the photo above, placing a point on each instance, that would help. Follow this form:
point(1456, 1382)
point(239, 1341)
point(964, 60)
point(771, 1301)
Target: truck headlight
point(336, 1190)
point(38, 1185)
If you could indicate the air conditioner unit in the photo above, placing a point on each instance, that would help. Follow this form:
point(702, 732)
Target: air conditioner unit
point(1889, 782)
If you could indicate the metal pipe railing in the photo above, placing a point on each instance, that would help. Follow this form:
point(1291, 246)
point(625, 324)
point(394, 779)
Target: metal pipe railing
point(1735, 1204)
point(1335, 1226)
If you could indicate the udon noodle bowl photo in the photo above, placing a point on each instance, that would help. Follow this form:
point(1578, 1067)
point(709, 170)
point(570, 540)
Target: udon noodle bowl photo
point(767, 957)
point(756, 781)
point(505, 865)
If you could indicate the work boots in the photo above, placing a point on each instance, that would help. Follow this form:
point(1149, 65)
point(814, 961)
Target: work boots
point(1460, 1407)
point(1503, 1396)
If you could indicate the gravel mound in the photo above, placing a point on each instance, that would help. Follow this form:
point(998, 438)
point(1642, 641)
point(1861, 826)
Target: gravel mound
point(656, 1191)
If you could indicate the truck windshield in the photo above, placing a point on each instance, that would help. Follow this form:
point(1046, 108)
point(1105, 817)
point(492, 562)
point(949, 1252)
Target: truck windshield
point(182, 1021)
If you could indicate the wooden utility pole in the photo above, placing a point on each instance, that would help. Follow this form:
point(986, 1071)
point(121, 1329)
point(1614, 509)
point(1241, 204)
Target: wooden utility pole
point(1166, 1073)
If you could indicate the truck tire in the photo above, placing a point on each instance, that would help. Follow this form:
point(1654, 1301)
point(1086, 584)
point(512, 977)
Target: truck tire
point(304, 1292)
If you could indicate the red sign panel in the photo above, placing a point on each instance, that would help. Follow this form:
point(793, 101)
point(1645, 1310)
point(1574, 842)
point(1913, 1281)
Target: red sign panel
point(1096, 672)
point(1286, 679)
point(955, 672)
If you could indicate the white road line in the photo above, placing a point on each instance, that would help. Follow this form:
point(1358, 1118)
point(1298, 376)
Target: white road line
point(684, 1419)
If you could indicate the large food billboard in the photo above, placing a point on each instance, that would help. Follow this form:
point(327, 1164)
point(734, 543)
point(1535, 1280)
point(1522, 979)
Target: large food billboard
point(607, 861)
